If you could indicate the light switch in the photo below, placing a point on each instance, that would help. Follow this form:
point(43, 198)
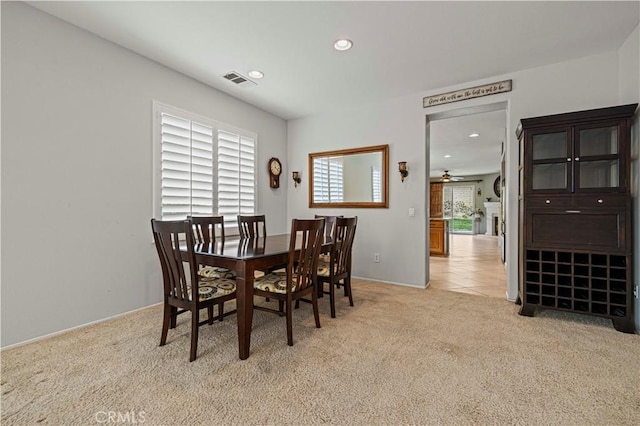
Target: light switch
point(412, 212)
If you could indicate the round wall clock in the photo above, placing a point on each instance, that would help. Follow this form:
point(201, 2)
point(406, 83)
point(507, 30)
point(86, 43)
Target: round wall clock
point(496, 186)
point(275, 170)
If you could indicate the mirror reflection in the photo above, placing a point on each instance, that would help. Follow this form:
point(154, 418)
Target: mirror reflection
point(349, 178)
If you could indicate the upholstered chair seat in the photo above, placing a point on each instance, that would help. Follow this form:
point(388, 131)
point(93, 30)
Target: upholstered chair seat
point(275, 282)
point(216, 272)
point(215, 288)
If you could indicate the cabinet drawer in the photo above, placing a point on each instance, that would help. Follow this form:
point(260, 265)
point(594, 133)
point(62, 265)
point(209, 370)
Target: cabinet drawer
point(588, 229)
point(577, 202)
point(606, 201)
point(550, 201)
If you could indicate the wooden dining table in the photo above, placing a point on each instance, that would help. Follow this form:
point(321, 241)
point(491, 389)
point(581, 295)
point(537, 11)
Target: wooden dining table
point(245, 256)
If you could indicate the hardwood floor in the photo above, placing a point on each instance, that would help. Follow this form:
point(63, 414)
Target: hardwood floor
point(473, 266)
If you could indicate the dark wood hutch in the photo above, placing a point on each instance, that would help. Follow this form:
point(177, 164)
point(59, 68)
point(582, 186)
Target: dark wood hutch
point(575, 233)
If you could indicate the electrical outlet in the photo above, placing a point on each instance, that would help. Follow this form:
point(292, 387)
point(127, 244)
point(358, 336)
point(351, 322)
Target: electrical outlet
point(376, 257)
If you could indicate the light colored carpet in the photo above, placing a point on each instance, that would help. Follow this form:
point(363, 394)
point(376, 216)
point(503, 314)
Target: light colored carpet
point(400, 356)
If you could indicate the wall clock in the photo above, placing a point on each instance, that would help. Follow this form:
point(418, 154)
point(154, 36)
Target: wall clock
point(275, 170)
point(496, 186)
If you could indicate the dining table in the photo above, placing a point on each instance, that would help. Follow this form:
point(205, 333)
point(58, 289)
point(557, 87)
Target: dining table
point(245, 256)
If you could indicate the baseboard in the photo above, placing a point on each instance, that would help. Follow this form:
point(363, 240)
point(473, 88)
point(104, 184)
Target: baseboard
point(47, 336)
point(389, 282)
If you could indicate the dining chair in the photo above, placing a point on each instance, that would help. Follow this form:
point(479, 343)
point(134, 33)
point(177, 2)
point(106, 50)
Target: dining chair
point(174, 241)
point(300, 276)
point(329, 224)
point(338, 269)
point(255, 227)
point(204, 232)
point(252, 226)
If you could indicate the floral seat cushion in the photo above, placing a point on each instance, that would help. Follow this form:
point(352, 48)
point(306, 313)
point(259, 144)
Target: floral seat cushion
point(211, 289)
point(275, 282)
point(324, 268)
point(216, 272)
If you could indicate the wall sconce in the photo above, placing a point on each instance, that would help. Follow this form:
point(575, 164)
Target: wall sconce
point(296, 178)
point(402, 168)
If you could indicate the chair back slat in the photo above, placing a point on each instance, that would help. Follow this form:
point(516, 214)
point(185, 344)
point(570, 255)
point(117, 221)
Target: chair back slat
point(205, 228)
point(329, 224)
point(252, 226)
point(170, 237)
point(344, 234)
point(304, 265)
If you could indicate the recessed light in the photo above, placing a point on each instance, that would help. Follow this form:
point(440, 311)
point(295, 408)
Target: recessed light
point(447, 156)
point(343, 44)
point(255, 74)
point(474, 135)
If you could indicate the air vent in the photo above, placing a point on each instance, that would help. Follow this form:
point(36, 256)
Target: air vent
point(238, 79)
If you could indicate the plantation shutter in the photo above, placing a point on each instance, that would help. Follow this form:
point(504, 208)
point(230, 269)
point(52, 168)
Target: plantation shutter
point(236, 176)
point(328, 181)
point(321, 180)
point(336, 180)
point(186, 168)
point(376, 184)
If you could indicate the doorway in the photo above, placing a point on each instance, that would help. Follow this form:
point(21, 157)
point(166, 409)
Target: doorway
point(467, 144)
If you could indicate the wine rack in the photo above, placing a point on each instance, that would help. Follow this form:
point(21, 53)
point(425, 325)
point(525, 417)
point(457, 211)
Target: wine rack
point(594, 283)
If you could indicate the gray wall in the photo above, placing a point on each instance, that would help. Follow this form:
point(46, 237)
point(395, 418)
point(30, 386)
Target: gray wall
point(629, 92)
point(585, 83)
point(77, 172)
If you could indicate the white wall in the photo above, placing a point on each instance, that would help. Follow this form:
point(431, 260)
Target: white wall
point(590, 82)
point(629, 92)
point(389, 232)
point(77, 172)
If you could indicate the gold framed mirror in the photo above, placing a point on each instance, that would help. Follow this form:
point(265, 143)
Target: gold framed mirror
point(356, 177)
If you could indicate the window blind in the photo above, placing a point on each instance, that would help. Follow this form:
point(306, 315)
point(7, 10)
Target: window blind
point(376, 185)
point(236, 176)
point(205, 168)
point(328, 180)
point(186, 168)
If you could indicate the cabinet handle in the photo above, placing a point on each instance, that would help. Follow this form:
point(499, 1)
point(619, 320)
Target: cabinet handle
point(572, 211)
point(547, 201)
point(569, 159)
point(577, 158)
point(600, 201)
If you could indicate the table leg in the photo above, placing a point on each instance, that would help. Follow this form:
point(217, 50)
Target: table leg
point(244, 285)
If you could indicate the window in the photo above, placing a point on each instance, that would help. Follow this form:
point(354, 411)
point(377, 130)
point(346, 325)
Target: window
point(202, 167)
point(328, 180)
point(459, 207)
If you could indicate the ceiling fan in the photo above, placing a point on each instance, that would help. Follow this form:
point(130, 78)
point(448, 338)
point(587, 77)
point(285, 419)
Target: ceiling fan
point(446, 177)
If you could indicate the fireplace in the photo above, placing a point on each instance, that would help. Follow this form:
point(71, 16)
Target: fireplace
point(493, 217)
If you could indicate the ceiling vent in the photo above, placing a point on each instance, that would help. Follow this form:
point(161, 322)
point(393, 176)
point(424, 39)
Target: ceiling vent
point(238, 79)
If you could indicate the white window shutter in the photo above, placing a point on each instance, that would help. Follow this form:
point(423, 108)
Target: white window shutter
point(204, 168)
point(236, 176)
point(376, 185)
point(186, 168)
point(328, 180)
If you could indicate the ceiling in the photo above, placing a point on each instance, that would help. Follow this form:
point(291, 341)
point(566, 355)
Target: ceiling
point(400, 48)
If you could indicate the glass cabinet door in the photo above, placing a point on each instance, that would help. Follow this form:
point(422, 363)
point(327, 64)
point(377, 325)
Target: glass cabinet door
point(550, 161)
point(597, 158)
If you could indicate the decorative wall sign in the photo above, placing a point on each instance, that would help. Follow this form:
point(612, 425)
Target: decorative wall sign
point(470, 93)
